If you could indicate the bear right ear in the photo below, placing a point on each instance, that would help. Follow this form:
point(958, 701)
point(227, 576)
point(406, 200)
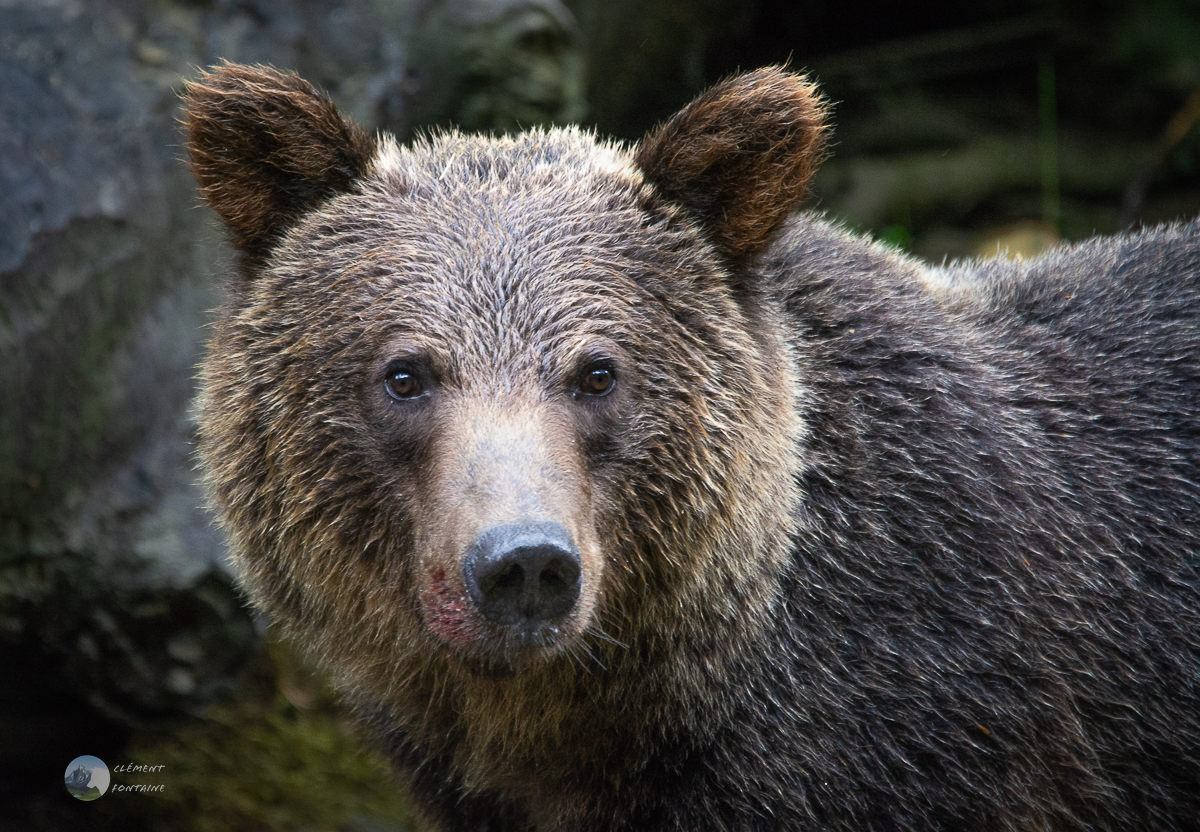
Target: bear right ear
point(266, 148)
point(739, 158)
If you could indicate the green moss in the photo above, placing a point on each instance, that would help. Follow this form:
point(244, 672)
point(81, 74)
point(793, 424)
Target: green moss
point(260, 762)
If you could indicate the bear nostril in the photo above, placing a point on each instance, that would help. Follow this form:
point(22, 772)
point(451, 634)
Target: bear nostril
point(523, 574)
point(507, 581)
point(552, 579)
point(557, 586)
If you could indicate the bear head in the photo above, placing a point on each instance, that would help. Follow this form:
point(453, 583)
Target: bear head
point(483, 416)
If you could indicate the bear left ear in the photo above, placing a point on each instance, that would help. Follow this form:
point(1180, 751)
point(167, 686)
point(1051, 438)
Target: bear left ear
point(266, 148)
point(739, 157)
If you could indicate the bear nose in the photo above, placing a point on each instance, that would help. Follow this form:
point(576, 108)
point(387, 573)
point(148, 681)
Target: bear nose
point(523, 573)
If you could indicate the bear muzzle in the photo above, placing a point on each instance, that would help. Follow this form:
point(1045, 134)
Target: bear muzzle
point(510, 565)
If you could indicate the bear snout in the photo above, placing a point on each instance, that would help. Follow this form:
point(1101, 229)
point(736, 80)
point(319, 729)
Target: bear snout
point(524, 575)
point(510, 560)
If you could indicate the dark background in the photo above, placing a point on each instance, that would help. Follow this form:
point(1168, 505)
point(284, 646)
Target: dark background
point(959, 130)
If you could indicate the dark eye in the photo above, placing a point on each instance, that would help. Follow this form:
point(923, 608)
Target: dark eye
point(597, 380)
point(402, 383)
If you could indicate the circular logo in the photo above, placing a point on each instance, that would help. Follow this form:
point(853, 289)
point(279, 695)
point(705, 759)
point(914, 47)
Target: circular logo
point(87, 777)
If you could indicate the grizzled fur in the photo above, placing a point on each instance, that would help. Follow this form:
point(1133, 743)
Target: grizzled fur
point(864, 544)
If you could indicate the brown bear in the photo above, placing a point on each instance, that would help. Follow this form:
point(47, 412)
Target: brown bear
point(619, 496)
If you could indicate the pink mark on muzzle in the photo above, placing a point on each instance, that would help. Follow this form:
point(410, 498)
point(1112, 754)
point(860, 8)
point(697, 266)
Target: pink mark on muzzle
point(446, 612)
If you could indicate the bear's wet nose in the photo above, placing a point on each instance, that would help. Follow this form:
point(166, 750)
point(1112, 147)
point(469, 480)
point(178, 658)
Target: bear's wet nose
point(523, 573)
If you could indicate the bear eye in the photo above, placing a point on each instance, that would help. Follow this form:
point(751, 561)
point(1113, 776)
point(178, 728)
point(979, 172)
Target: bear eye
point(597, 380)
point(402, 384)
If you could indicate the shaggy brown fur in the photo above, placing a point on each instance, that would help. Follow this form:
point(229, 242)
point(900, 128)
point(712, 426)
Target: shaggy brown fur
point(864, 545)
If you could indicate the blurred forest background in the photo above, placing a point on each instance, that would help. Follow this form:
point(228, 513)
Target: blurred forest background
point(961, 129)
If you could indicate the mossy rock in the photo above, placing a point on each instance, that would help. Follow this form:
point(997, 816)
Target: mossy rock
point(260, 762)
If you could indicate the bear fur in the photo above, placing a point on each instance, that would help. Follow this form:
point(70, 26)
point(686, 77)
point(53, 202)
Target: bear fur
point(850, 542)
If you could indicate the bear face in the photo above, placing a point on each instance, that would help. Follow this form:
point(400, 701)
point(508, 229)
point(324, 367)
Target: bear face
point(474, 402)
